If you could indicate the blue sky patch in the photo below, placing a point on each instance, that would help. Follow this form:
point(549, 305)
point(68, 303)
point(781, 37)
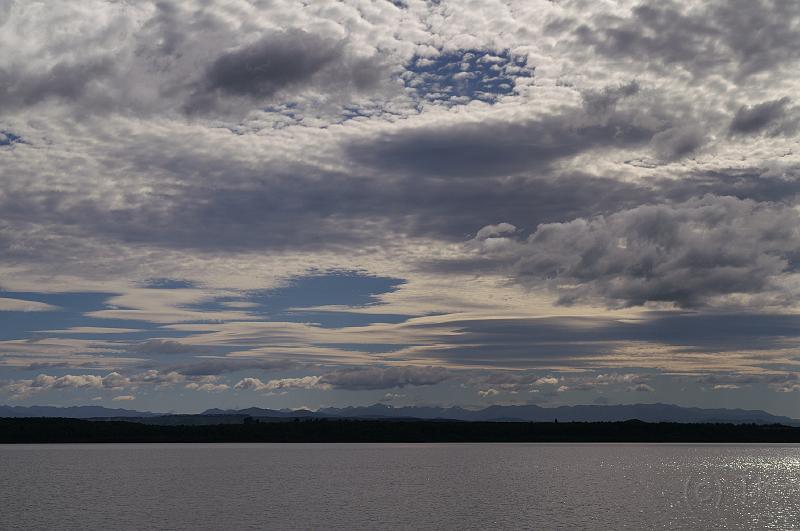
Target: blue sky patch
point(8, 138)
point(461, 76)
point(348, 289)
point(70, 312)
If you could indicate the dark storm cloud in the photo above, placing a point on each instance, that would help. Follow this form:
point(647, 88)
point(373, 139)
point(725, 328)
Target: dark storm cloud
point(686, 253)
point(309, 210)
point(773, 117)
point(496, 148)
point(578, 342)
point(217, 366)
point(494, 171)
point(758, 184)
point(275, 62)
point(283, 60)
point(66, 80)
point(745, 37)
point(369, 378)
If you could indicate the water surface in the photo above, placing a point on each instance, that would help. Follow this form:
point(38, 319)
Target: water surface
point(399, 486)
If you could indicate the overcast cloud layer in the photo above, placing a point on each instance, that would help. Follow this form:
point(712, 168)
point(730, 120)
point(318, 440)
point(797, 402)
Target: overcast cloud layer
point(285, 204)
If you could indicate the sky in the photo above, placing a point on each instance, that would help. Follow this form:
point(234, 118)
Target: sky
point(285, 204)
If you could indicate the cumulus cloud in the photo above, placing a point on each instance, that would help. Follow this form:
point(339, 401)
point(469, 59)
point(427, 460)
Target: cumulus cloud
point(160, 379)
point(705, 38)
point(45, 382)
point(354, 379)
point(630, 382)
point(513, 381)
point(305, 382)
point(114, 381)
point(687, 254)
point(208, 387)
point(161, 56)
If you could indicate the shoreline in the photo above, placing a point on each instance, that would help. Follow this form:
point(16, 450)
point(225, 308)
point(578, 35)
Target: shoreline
point(68, 431)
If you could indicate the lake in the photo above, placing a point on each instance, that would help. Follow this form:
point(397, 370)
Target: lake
point(399, 486)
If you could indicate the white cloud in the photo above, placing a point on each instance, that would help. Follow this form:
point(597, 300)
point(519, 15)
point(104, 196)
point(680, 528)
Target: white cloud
point(18, 305)
point(207, 387)
point(123, 398)
point(305, 382)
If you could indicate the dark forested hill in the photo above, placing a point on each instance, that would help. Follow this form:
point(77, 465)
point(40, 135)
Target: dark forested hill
point(55, 430)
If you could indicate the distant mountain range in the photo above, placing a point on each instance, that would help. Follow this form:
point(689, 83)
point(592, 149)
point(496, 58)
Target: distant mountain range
point(533, 413)
point(71, 412)
point(527, 413)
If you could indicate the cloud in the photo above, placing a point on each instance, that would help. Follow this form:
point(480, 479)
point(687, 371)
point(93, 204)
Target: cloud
point(123, 398)
point(676, 142)
point(305, 382)
point(275, 62)
point(164, 346)
point(688, 254)
point(160, 379)
point(630, 382)
point(493, 148)
point(786, 387)
point(282, 60)
point(368, 378)
point(226, 365)
point(704, 38)
point(17, 305)
point(64, 81)
point(602, 102)
point(207, 387)
point(772, 117)
point(512, 381)
point(159, 57)
point(113, 381)
point(393, 396)
point(44, 382)
point(353, 379)
point(654, 340)
point(493, 231)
